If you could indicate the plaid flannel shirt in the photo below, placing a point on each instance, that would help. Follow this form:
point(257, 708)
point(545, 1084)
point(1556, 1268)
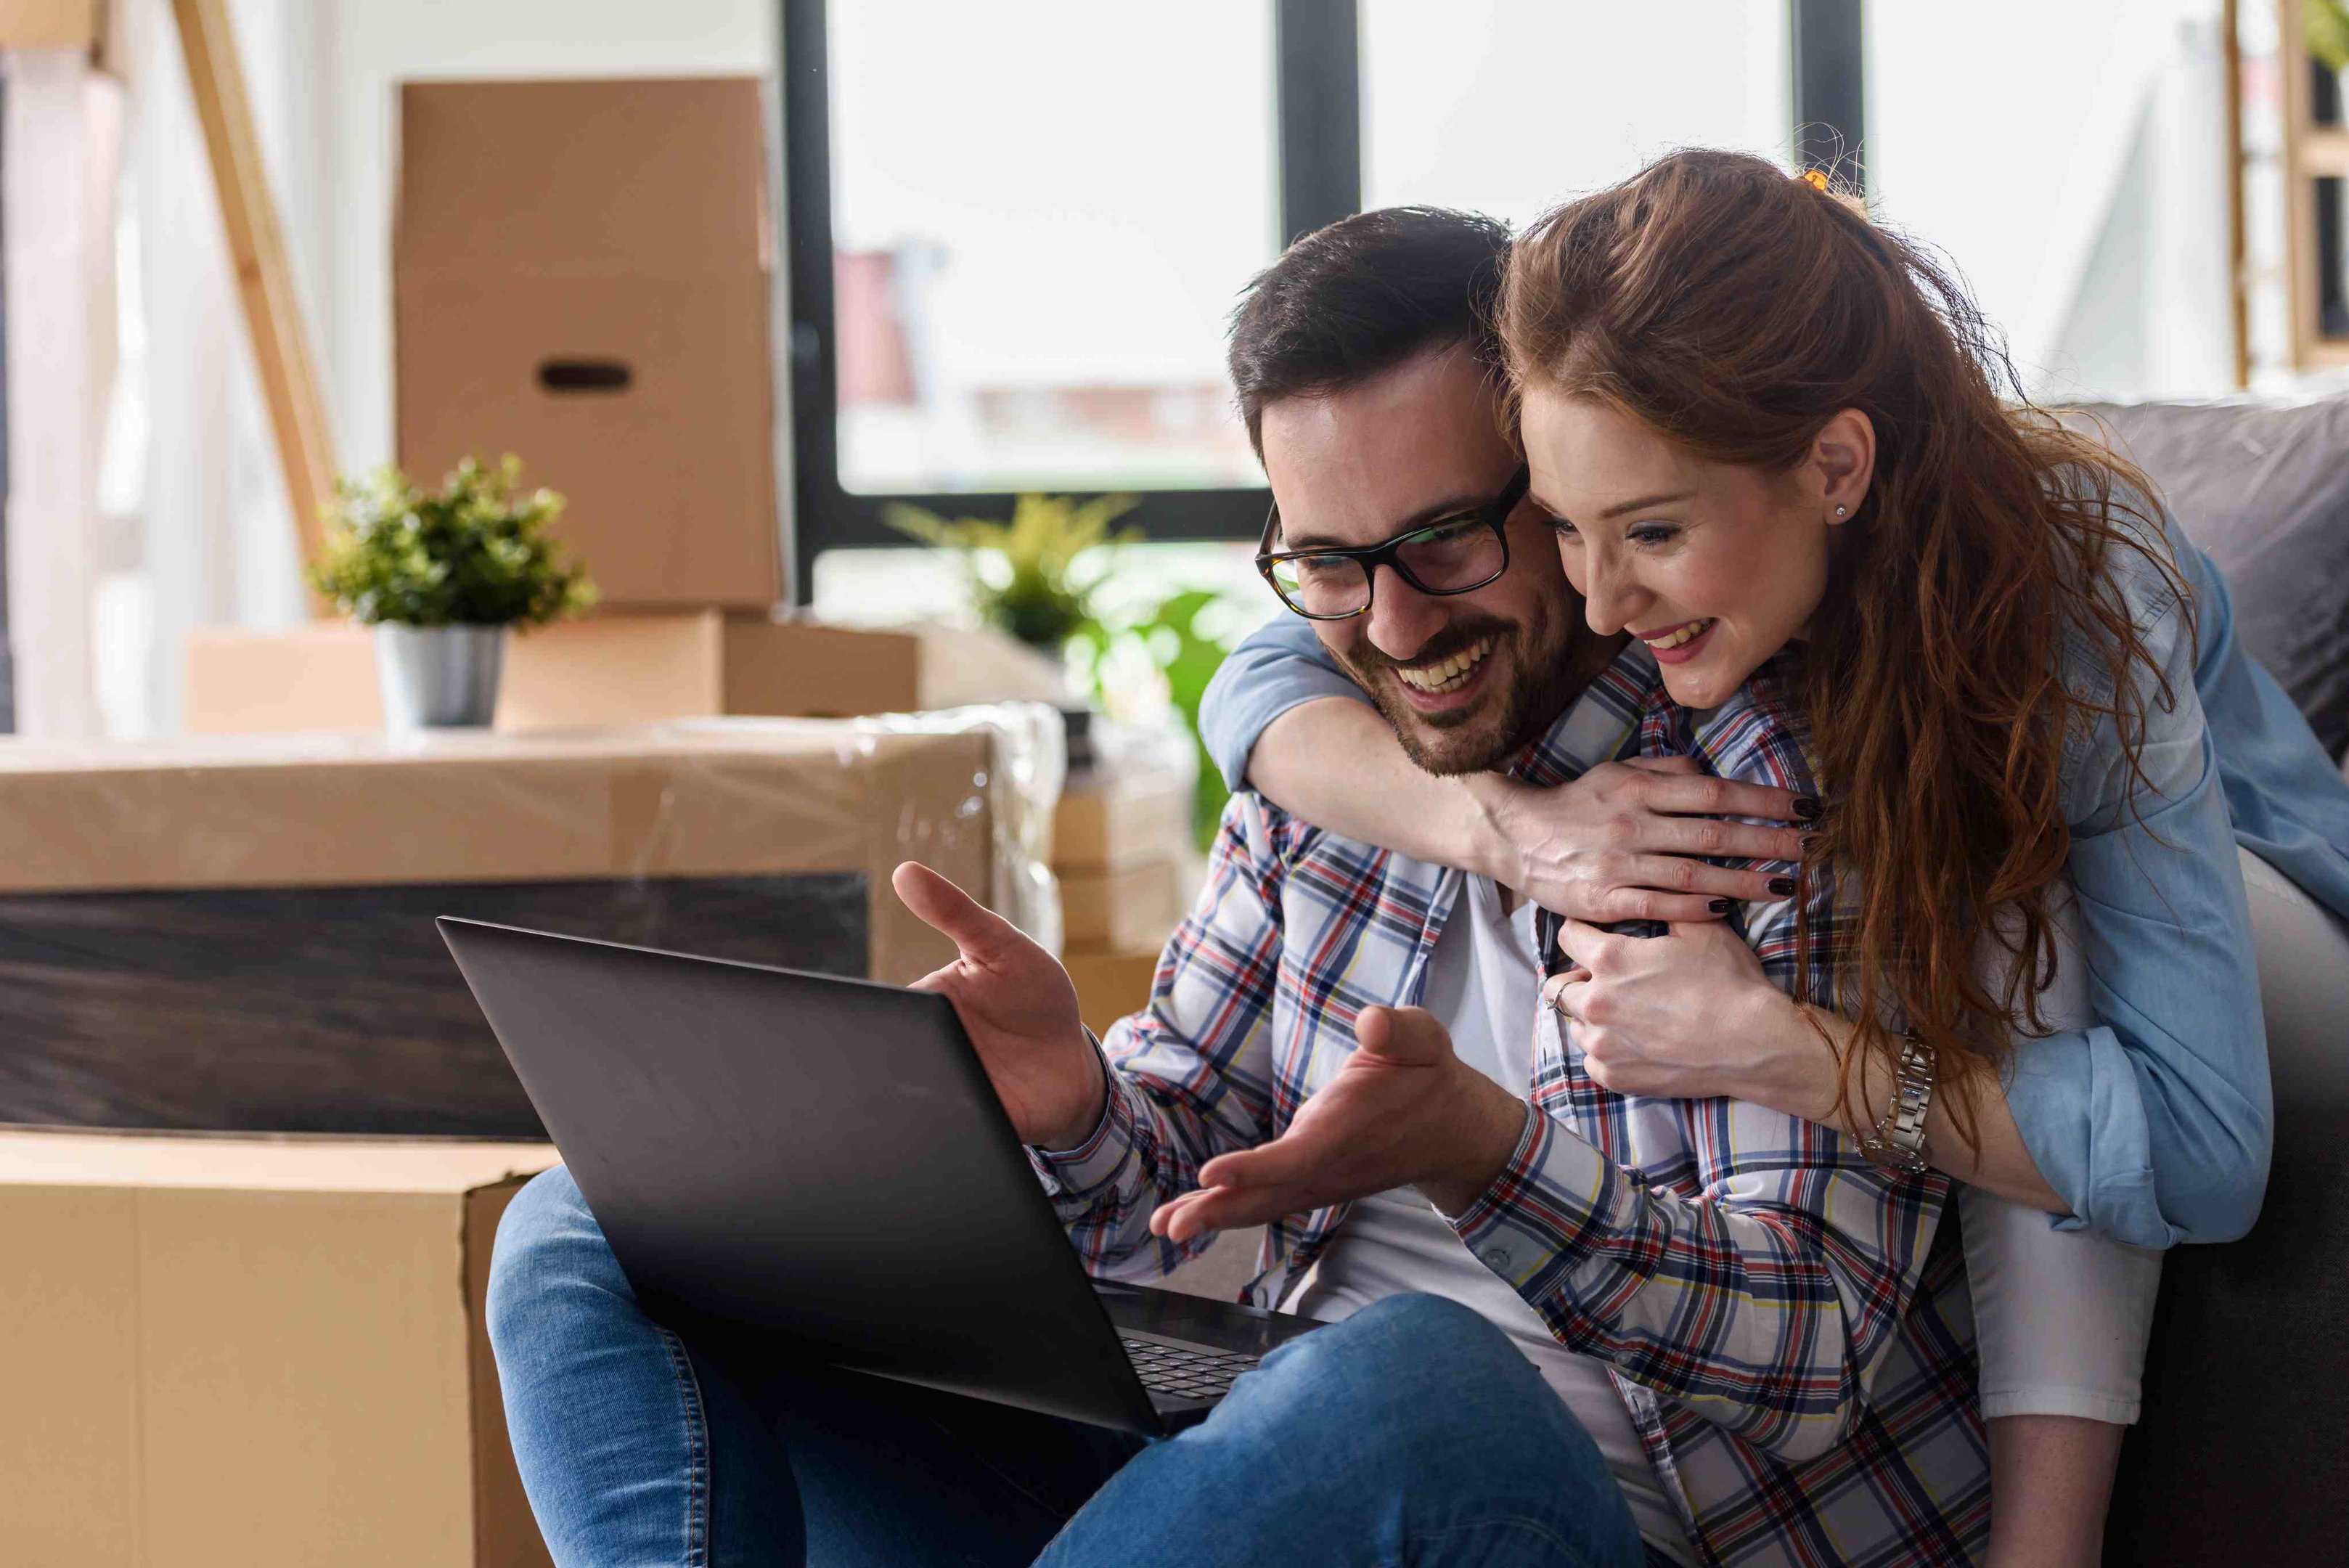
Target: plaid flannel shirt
point(1788, 1326)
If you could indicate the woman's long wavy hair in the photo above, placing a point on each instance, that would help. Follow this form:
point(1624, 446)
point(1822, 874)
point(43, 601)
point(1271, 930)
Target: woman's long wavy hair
point(1733, 310)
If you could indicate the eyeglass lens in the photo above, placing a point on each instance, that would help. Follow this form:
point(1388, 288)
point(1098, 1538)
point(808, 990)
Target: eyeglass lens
point(1449, 558)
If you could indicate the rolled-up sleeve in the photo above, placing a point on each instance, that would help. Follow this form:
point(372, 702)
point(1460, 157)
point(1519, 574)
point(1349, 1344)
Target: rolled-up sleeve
point(2154, 1127)
point(1279, 666)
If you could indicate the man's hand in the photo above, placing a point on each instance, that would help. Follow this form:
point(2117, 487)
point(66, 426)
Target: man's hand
point(1018, 1006)
point(1403, 1112)
point(1619, 842)
point(1686, 1015)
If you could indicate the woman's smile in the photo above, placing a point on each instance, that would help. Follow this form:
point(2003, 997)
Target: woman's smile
point(1679, 644)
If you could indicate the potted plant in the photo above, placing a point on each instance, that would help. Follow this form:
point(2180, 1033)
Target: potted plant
point(441, 577)
point(1027, 575)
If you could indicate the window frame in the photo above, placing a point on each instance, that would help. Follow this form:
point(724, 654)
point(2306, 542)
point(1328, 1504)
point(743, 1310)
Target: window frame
point(1317, 88)
point(1317, 71)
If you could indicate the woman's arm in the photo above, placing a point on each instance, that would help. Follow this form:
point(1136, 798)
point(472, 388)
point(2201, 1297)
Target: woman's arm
point(1618, 842)
point(2064, 1466)
point(1690, 1015)
point(2153, 1124)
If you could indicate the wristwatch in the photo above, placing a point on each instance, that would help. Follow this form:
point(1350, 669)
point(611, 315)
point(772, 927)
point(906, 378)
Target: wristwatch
point(1897, 1142)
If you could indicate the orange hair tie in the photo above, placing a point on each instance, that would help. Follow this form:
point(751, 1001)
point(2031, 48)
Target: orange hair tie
point(1817, 178)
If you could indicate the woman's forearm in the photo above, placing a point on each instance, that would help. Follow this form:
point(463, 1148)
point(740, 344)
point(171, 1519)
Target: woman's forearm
point(2051, 1482)
point(1379, 795)
point(1803, 1082)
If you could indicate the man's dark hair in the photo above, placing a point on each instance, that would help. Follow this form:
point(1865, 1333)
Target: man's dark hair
point(1351, 301)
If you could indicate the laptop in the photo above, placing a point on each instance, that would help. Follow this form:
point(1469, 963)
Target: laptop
point(778, 1158)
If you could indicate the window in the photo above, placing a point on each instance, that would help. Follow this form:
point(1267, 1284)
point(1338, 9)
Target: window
point(2076, 184)
point(1039, 221)
point(1017, 232)
point(1508, 106)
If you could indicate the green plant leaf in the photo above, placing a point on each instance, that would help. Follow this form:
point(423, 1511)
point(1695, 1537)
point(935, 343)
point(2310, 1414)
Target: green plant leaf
point(475, 553)
point(1034, 575)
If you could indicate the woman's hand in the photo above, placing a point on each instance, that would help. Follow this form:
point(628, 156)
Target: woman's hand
point(1621, 842)
point(1688, 1015)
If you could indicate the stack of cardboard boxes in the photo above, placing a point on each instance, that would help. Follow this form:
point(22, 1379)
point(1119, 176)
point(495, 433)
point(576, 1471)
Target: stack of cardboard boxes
point(582, 277)
point(230, 1338)
point(1122, 849)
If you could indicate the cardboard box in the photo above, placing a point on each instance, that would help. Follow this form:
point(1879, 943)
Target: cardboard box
point(235, 933)
point(581, 277)
point(612, 669)
point(254, 1354)
point(1110, 983)
point(50, 24)
point(1132, 908)
point(1112, 822)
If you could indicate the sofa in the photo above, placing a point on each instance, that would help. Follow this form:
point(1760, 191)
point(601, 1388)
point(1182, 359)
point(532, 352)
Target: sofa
point(2241, 1455)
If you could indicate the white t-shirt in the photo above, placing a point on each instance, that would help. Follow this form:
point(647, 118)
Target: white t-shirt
point(1484, 982)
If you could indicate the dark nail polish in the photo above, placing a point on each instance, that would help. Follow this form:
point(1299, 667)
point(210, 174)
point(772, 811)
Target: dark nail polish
point(1811, 842)
point(1719, 905)
point(1808, 808)
point(1782, 885)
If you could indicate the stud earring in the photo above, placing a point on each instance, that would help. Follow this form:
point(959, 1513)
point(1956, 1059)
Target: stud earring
point(1843, 511)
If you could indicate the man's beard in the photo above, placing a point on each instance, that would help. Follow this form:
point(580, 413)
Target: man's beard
point(1504, 719)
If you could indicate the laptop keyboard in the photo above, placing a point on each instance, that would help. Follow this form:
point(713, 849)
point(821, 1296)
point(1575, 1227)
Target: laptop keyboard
point(1188, 1370)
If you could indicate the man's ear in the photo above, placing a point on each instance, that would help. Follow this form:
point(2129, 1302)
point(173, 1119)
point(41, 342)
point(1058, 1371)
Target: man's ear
point(1843, 456)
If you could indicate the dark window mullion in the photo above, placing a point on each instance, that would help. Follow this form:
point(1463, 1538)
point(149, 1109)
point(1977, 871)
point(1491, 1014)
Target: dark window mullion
point(806, 212)
point(1830, 96)
point(1317, 54)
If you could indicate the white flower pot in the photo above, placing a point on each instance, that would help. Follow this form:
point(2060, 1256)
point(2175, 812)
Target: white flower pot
point(439, 677)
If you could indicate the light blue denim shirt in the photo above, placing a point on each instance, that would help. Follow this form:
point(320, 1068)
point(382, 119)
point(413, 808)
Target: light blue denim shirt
point(2154, 1126)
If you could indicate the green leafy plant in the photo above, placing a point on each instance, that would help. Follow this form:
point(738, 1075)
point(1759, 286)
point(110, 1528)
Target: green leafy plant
point(1033, 576)
point(2327, 22)
point(474, 554)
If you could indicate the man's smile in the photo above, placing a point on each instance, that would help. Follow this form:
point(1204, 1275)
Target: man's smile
point(1446, 675)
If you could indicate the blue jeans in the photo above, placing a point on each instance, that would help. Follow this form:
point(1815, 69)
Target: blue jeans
point(1411, 1433)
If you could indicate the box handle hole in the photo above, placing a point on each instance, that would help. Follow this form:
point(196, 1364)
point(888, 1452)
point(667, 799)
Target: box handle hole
point(584, 376)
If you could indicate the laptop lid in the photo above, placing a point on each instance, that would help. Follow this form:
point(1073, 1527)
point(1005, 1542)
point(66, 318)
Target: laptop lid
point(769, 1152)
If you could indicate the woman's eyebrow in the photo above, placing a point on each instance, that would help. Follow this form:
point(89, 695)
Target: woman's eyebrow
point(1642, 503)
point(1636, 504)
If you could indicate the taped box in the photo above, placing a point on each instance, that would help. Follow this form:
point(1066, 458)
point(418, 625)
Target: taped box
point(230, 1353)
point(619, 670)
point(1111, 984)
point(581, 275)
point(50, 24)
point(236, 934)
point(1134, 908)
point(1111, 822)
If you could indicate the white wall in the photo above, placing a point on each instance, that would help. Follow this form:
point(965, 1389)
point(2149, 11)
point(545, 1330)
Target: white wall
point(2018, 138)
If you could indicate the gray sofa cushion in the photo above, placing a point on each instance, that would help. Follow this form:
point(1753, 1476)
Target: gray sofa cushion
point(2263, 487)
point(2242, 1454)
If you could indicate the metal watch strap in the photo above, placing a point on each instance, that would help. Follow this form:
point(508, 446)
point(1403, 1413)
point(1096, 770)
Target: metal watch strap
point(1897, 1142)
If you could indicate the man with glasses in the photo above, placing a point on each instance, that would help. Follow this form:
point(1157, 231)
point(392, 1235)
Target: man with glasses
point(1544, 1358)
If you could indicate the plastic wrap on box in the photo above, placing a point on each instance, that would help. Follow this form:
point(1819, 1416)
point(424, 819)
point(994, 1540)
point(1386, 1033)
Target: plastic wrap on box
point(1023, 790)
point(235, 933)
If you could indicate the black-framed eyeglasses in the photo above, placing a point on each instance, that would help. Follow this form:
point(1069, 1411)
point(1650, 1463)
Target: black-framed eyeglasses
point(1450, 556)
